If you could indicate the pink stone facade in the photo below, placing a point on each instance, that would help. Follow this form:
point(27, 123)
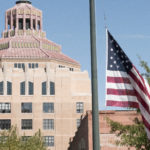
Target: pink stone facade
point(40, 87)
point(83, 137)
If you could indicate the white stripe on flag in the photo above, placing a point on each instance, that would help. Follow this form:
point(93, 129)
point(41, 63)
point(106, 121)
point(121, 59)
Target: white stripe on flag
point(116, 74)
point(119, 86)
point(121, 98)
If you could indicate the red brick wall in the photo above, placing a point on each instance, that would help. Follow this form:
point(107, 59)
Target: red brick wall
point(107, 140)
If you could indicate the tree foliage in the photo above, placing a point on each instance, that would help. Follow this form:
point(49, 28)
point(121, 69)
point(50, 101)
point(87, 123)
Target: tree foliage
point(132, 135)
point(9, 140)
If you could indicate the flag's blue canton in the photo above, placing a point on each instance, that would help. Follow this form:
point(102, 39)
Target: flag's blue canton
point(117, 59)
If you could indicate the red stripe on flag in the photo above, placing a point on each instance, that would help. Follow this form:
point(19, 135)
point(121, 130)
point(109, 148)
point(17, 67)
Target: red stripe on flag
point(138, 82)
point(120, 92)
point(118, 80)
point(142, 101)
point(147, 125)
point(122, 104)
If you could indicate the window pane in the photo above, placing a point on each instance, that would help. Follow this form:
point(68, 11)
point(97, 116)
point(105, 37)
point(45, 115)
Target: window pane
point(5, 124)
point(26, 107)
point(26, 124)
point(52, 88)
point(1, 88)
point(48, 124)
point(36, 65)
point(15, 65)
point(33, 65)
point(44, 91)
point(31, 88)
point(9, 88)
point(22, 88)
point(5, 108)
point(78, 122)
point(79, 107)
point(48, 107)
point(49, 140)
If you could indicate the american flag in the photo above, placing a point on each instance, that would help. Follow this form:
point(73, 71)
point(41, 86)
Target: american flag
point(125, 86)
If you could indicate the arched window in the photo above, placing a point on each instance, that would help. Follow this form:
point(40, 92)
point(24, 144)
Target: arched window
point(44, 90)
point(9, 88)
point(2, 88)
point(52, 88)
point(31, 88)
point(22, 88)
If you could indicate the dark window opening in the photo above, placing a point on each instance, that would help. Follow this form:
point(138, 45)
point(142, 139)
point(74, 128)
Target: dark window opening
point(52, 88)
point(39, 25)
point(9, 88)
point(5, 124)
point(20, 24)
point(14, 22)
point(31, 90)
point(48, 107)
point(34, 24)
point(26, 107)
point(28, 24)
point(22, 88)
point(1, 88)
point(9, 23)
point(44, 91)
point(26, 124)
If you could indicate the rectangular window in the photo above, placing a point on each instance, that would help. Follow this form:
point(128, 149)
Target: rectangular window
point(78, 121)
point(33, 66)
point(20, 24)
point(36, 65)
point(15, 65)
point(31, 88)
point(48, 124)
point(1, 88)
point(26, 107)
point(48, 107)
point(23, 66)
point(52, 88)
point(79, 107)
point(5, 108)
point(22, 88)
point(28, 25)
point(5, 124)
point(34, 24)
point(26, 124)
point(44, 88)
point(9, 88)
point(49, 140)
point(25, 138)
point(29, 65)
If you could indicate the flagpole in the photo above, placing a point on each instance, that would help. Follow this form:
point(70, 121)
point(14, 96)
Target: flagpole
point(95, 111)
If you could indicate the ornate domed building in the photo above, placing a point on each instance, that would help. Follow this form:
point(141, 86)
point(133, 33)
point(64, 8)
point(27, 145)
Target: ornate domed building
point(40, 87)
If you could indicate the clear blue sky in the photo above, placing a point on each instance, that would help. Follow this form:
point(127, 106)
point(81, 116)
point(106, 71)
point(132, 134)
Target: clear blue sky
point(67, 23)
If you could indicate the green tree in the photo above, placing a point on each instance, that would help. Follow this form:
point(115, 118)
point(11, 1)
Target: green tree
point(9, 140)
point(132, 135)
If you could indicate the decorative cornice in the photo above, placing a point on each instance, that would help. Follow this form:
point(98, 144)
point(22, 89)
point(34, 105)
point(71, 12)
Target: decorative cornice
point(23, 1)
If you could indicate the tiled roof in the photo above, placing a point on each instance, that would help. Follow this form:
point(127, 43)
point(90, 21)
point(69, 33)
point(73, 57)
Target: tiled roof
point(35, 53)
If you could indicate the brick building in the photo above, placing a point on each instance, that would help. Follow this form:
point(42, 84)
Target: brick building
point(83, 137)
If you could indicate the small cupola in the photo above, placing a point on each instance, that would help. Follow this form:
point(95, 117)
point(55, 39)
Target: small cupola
point(23, 19)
